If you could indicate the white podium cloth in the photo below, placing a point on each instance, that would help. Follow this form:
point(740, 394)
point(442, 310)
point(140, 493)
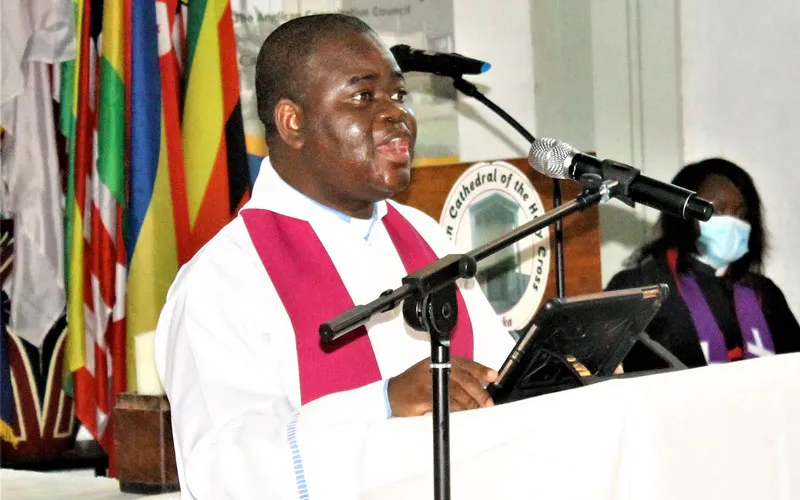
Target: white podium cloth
point(722, 432)
point(726, 431)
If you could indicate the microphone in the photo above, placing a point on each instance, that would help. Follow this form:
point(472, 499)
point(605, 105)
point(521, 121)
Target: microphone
point(452, 65)
point(561, 161)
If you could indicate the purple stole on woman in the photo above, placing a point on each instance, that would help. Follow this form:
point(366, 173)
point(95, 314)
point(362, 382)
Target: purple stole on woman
point(756, 337)
point(312, 292)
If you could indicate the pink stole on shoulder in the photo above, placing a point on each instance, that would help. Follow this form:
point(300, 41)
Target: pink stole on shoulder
point(313, 294)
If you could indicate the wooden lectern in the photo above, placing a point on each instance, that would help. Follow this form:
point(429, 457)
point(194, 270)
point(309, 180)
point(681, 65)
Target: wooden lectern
point(429, 189)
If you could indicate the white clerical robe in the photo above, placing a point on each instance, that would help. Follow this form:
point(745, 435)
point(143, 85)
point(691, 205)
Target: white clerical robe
point(225, 352)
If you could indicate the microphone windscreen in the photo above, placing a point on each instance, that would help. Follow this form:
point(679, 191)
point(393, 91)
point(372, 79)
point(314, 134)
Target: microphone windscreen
point(549, 157)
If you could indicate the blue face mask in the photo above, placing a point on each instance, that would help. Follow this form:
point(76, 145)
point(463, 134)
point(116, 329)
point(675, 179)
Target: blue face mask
point(723, 239)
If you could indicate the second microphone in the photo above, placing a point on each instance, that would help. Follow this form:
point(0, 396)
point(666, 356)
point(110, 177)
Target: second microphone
point(562, 161)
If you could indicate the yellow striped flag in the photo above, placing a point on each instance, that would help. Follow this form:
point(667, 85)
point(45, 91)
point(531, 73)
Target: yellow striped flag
point(217, 179)
point(158, 222)
point(189, 176)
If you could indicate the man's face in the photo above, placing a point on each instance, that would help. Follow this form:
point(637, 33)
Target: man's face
point(358, 134)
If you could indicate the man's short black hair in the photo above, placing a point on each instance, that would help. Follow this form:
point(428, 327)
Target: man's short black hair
point(283, 56)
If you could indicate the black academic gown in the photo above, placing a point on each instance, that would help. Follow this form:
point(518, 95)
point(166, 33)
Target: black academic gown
point(673, 327)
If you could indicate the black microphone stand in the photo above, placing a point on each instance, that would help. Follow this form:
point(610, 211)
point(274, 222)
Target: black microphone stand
point(469, 89)
point(429, 304)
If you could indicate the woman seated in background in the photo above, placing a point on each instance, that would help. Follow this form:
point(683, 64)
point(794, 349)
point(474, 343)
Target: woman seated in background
point(721, 307)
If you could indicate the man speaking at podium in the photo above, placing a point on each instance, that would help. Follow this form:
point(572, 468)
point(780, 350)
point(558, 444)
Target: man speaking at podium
point(253, 393)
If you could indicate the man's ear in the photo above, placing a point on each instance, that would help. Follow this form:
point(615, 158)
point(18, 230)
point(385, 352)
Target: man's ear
point(288, 120)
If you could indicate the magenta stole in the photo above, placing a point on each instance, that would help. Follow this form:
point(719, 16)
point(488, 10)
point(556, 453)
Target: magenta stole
point(313, 294)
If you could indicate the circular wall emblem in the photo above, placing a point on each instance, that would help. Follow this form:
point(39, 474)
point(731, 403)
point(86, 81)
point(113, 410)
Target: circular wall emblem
point(486, 202)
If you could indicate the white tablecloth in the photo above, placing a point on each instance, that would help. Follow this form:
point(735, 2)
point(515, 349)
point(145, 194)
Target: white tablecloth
point(722, 432)
point(727, 432)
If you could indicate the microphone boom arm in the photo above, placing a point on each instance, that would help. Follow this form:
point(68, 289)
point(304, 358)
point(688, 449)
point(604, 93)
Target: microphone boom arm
point(469, 89)
point(448, 269)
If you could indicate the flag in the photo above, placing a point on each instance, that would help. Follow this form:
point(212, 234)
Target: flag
point(136, 209)
point(96, 256)
point(215, 156)
point(33, 37)
point(158, 219)
point(6, 390)
point(188, 174)
point(34, 200)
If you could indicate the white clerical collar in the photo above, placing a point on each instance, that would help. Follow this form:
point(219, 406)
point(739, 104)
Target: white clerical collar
point(718, 271)
point(361, 226)
point(273, 193)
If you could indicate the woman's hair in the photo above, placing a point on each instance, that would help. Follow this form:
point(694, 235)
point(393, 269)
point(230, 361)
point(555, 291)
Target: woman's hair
point(675, 232)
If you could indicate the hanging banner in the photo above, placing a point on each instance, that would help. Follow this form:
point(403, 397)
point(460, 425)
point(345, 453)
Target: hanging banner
point(420, 24)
